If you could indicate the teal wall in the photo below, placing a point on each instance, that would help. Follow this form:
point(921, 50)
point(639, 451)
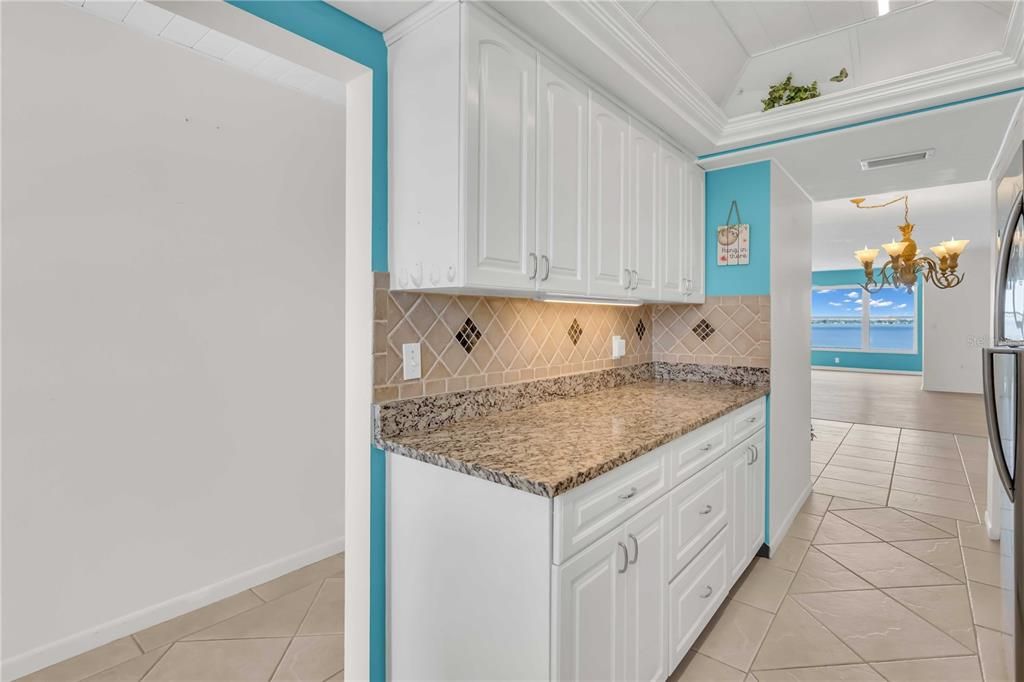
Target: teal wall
point(333, 29)
point(750, 186)
point(903, 362)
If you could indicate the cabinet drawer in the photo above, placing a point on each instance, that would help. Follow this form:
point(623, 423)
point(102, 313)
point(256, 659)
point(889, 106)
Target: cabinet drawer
point(697, 512)
point(586, 513)
point(694, 596)
point(747, 420)
point(696, 450)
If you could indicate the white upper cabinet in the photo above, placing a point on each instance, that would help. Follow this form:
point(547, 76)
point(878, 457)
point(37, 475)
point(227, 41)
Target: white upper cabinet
point(610, 273)
point(644, 159)
point(562, 228)
point(501, 90)
point(509, 175)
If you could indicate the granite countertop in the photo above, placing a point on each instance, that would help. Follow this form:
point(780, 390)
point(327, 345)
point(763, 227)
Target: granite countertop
point(552, 447)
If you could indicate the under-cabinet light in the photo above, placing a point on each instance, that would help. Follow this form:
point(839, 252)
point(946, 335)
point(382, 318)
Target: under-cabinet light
point(590, 301)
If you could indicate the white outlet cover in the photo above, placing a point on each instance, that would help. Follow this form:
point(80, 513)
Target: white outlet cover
point(618, 347)
point(411, 367)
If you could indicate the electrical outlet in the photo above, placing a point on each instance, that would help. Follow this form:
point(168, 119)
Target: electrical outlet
point(618, 347)
point(411, 368)
point(837, 359)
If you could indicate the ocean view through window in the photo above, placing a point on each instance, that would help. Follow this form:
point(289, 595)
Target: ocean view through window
point(849, 318)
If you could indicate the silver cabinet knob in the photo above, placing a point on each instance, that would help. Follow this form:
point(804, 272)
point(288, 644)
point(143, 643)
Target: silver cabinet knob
point(533, 265)
point(631, 493)
point(625, 558)
point(706, 510)
point(636, 548)
point(751, 420)
point(706, 593)
point(706, 447)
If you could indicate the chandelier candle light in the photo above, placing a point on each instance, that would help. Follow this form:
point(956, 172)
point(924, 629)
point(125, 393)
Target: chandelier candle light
point(904, 263)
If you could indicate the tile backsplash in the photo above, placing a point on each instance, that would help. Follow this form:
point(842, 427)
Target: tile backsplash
point(476, 341)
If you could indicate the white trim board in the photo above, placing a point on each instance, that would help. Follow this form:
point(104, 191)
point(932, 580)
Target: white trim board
point(80, 642)
point(829, 368)
point(787, 523)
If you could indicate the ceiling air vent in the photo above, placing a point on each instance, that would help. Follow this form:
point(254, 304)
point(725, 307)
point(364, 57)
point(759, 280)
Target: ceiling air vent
point(895, 160)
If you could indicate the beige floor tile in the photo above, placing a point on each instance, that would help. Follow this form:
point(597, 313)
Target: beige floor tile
point(307, 575)
point(862, 463)
point(821, 573)
point(843, 503)
point(193, 621)
point(927, 436)
point(816, 504)
point(853, 491)
point(819, 456)
point(816, 469)
point(986, 567)
point(858, 672)
point(796, 639)
point(867, 453)
point(327, 614)
point(763, 586)
point(877, 627)
point(834, 530)
point(311, 659)
point(940, 522)
point(946, 607)
point(943, 554)
point(929, 450)
point(930, 462)
point(870, 443)
point(278, 618)
point(697, 667)
point(856, 475)
point(891, 524)
point(221, 660)
point(789, 553)
point(948, 491)
point(992, 606)
point(933, 505)
point(975, 536)
point(995, 650)
point(804, 526)
point(340, 677)
point(883, 565)
point(930, 473)
point(972, 445)
point(130, 671)
point(89, 663)
point(734, 634)
point(960, 669)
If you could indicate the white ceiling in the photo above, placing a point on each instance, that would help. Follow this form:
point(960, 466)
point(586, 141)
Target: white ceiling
point(938, 213)
point(966, 140)
point(381, 14)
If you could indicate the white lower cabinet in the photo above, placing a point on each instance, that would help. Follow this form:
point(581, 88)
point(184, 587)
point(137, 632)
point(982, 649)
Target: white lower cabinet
point(613, 580)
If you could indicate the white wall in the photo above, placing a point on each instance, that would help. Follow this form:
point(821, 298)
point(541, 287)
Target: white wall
point(173, 289)
point(790, 459)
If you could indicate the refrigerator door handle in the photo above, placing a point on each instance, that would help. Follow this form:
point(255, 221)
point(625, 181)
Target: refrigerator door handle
point(994, 436)
point(1002, 266)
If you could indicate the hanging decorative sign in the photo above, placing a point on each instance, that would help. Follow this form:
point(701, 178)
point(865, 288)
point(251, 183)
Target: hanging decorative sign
point(734, 239)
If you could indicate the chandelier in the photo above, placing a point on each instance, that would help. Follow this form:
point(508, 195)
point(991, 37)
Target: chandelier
point(904, 263)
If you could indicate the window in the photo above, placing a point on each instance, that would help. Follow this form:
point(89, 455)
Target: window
point(849, 318)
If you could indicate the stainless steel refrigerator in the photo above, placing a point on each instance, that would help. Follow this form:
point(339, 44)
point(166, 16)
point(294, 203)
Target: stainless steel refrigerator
point(1003, 369)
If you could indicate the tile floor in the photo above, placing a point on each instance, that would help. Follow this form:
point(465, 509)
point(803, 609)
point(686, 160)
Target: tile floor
point(886, 573)
point(290, 628)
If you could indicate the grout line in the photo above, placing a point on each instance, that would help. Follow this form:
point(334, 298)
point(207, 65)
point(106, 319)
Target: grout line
point(158, 659)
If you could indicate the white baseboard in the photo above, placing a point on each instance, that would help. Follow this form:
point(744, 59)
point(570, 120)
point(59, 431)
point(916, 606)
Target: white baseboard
point(830, 368)
point(73, 645)
point(787, 522)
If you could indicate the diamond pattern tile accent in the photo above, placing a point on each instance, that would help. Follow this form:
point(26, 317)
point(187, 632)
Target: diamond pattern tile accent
point(468, 335)
point(575, 331)
point(641, 329)
point(703, 330)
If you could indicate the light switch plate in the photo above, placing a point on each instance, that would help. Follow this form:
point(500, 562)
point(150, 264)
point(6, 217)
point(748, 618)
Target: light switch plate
point(618, 347)
point(411, 368)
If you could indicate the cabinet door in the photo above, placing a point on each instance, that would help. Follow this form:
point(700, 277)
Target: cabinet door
point(738, 464)
point(562, 187)
point(695, 234)
point(609, 135)
point(501, 78)
point(644, 153)
point(755, 497)
point(588, 623)
point(646, 655)
point(674, 223)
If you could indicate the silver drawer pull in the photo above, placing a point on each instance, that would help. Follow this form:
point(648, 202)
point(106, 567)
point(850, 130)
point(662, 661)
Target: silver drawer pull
point(631, 493)
point(751, 420)
point(706, 447)
point(707, 592)
point(636, 548)
point(625, 558)
point(706, 510)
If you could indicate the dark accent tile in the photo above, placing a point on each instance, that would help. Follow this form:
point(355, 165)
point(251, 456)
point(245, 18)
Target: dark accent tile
point(703, 329)
point(468, 335)
point(575, 331)
point(641, 329)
